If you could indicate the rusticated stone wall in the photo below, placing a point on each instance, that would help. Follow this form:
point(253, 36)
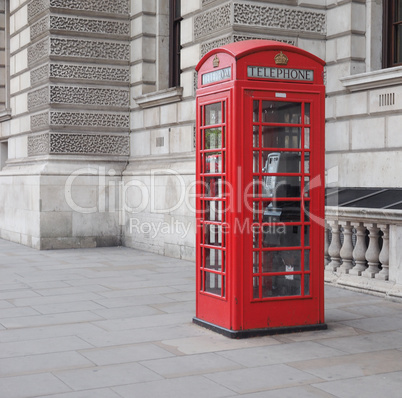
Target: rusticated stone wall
point(79, 68)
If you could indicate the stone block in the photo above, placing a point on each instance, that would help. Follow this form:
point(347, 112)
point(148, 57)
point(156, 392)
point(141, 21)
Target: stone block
point(358, 17)
point(316, 47)
point(25, 81)
point(188, 82)
point(337, 136)
point(151, 117)
point(367, 133)
point(168, 114)
point(21, 18)
point(187, 111)
point(339, 19)
point(181, 139)
point(395, 259)
point(186, 31)
point(140, 143)
point(15, 85)
point(14, 43)
point(188, 7)
point(25, 37)
point(21, 60)
point(21, 103)
point(385, 99)
point(190, 56)
point(394, 133)
point(330, 107)
point(149, 48)
point(160, 141)
point(136, 120)
point(351, 104)
point(95, 225)
point(369, 168)
point(55, 224)
point(358, 46)
point(21, 147)
point(311, 3)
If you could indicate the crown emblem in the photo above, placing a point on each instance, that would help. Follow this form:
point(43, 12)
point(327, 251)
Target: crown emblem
point(281, 59)
point(215, 62)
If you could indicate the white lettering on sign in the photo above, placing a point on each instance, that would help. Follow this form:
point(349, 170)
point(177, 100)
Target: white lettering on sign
point(264, 72)
point(217, 75)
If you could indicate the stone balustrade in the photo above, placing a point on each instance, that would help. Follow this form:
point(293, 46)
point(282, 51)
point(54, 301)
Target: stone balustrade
point(361, 249)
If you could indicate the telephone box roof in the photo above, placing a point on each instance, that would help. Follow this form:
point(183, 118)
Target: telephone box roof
point(243, 48)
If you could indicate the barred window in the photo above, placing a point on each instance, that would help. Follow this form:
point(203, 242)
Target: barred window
point(392, 45)
point(174, 45)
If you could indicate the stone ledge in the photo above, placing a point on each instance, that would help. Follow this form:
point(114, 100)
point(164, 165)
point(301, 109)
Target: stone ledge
point(371, 80)
point(363, 214)
point(158, 98)
point(377, 287)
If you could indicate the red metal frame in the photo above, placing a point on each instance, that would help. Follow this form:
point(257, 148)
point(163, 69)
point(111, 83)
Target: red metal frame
point(246, 300)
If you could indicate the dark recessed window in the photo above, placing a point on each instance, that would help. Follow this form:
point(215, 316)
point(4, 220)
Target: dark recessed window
point(392, 33)
point(174, 43)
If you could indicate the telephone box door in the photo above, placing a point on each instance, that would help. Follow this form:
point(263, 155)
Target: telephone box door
point(284, 265)
point(212, 257)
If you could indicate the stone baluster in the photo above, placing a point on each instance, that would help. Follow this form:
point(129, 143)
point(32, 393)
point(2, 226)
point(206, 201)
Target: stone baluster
point(326, 245)
point(346, 251)
point(334, 247)
point(359, 252)
point(384, 254)
point(373, 252)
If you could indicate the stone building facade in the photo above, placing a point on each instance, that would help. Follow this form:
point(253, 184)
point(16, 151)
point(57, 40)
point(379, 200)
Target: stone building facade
point(97, 111)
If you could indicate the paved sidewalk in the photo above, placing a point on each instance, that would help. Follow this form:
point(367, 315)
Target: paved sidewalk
point(116, 323)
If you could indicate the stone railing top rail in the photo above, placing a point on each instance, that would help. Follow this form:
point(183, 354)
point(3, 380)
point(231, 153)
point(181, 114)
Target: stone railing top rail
point(379, 216)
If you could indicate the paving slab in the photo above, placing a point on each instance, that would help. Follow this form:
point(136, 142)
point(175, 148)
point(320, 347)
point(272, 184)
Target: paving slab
point(117, 323)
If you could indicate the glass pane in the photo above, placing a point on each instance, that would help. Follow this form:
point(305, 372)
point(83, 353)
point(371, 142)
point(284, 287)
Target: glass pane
point(290, 211)
point(256, 163)
point(307, 163)
point(306, 211)
point(281, 261)
point(307, 137)
point(213, 114)
point(257, 187)
point(213, 138)
point(281, 211)
point(213, 210)
point(399, 5)
point(398, 44)
point(213, 235)
point(256, 236)
point(213, 259)
point(256, 262)
point(256, 109)
point(281, 112)
point(213, 187)
point(292, 236)
point(281, 137)
point(306, 189)
point(307, 113)
point(306, 284)
point(213, 283)
point(306, 235)
point(281, 162)
point(307, 260)
point(213, 163)
point(281, 285)
point(256, 142)
point(256, 287)
point(256, 212)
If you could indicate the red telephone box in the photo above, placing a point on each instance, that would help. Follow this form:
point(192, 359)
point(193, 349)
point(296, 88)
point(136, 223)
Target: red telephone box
point(260, 189)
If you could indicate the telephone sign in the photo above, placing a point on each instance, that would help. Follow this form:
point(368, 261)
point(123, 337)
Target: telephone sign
point(260, 189)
